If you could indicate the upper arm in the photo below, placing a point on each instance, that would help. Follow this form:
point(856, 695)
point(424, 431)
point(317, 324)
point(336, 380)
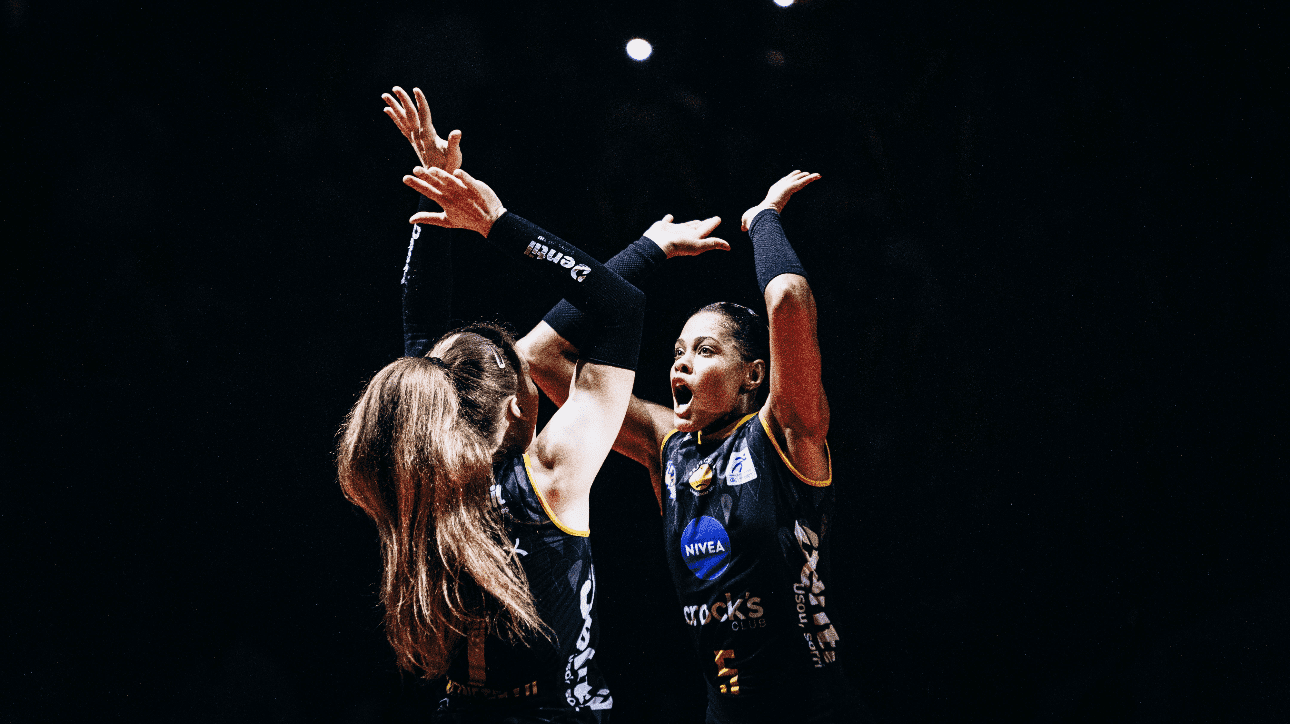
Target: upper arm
point(552, 359)
point(568, 452)
point(797, 409)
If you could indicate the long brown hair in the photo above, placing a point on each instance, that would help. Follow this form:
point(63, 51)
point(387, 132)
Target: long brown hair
point(416, 454)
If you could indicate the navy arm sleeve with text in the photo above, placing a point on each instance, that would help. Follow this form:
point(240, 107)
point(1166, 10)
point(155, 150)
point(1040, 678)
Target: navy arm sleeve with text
point(615, 307)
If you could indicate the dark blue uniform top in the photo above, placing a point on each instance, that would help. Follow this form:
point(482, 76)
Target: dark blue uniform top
point(544, 678)
point(746, 538)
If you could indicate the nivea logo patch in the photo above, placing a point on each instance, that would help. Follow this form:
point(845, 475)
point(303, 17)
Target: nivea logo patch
point(705, 546)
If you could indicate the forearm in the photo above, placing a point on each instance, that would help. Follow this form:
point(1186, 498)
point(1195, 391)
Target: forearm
point(634, 264)
point(772, 254)
point(797, 403)
point(615, 307)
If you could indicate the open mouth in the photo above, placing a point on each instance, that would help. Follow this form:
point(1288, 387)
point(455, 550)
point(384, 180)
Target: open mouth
point(681, 394)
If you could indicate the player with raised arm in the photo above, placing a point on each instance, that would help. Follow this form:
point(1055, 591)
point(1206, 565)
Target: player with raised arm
point(488, 576)
point(744, 481)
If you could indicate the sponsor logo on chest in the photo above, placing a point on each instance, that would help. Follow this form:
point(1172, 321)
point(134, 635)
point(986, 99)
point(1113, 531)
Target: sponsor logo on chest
point(701, 480)
point(705, 547)
point(742, 611)
point(740, 468)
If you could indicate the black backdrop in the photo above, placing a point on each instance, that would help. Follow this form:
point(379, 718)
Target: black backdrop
point(1051, 260)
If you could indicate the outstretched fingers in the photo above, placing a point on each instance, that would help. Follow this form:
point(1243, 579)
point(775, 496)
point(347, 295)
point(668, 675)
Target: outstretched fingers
point(438, 179)
point(711, 243)
point(396, 112)
point(404, 114)
point(435, 218)
point(423, 113)
point(689, 238)
point(454, 146)
point(703, 227)
point(799, 179)
point(425, 188)
point(782, 190)
point(410, 109)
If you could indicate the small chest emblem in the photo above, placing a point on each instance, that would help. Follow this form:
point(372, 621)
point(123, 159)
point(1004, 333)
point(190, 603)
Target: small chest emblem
point(740, 469)
point(670, 479)
point(701, 480)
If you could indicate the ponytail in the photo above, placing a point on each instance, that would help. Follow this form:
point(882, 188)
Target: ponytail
point(406, 458)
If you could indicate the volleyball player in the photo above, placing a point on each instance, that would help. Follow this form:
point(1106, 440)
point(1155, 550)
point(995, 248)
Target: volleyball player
point(744, 481)
point(488, 577)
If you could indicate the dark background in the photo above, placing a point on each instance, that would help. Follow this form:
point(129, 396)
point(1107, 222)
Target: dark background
point(1050, 253)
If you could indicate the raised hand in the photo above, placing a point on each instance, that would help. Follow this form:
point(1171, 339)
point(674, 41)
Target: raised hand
point(467, 202)
point(779, 194)
point(686, 239)
point(413, 121)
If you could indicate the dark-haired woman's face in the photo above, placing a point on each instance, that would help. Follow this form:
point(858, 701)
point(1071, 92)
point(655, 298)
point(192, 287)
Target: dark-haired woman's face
point(708, 373)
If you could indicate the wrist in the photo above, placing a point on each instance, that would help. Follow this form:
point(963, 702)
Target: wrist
point(490, 218)
point(667, 247)
point(751, 214)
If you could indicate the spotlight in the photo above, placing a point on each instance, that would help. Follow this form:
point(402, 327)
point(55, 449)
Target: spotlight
point(783, 3)
point(639, 49)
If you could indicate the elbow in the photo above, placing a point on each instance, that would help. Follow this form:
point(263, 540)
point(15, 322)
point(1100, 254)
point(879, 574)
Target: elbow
point(790, 295)
point(544, 351)
point(532, 351)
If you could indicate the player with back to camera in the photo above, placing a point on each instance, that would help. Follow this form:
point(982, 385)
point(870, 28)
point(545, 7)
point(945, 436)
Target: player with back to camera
point(488, 576)
point(488, 569)
point(744, 480)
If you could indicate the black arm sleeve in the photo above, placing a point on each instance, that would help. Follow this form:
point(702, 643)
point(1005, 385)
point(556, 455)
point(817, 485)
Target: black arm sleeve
point(618, 308)
point(772, 254)
point(427, 286)
point(634, 264)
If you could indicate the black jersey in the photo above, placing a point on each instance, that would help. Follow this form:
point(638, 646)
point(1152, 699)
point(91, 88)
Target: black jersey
point(536, 674)
point(746, 538)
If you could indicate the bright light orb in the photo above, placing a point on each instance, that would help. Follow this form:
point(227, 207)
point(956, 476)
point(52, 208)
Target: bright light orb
point(639, 49)
point(783, 3)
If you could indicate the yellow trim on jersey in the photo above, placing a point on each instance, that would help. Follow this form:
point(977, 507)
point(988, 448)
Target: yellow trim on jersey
point(665, 439)
point(813, 483)
point(698, 438)
point(549, 513)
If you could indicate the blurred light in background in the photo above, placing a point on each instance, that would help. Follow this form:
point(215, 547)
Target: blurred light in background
point(783, 3)
point(639, 49)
